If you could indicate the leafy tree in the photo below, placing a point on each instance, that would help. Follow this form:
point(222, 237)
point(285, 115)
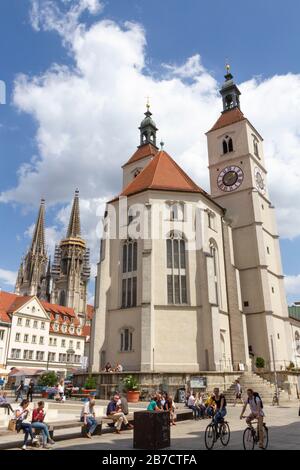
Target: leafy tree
point(260, 363)
point(48, 379)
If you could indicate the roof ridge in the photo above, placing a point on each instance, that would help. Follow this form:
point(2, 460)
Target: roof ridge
point(183, 173)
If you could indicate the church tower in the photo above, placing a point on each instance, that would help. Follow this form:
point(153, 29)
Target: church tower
point(32, 278)
point(71, 266)
point(238, 179)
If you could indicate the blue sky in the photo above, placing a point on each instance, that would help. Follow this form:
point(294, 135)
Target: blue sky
point(260, 39)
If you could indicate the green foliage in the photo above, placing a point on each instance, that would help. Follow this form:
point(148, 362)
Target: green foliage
point(130, 383)
point(91, 383)
point(49, 379)
point(260, 363)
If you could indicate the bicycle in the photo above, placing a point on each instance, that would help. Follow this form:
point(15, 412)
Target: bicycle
point(251, 436)
point(213, 432)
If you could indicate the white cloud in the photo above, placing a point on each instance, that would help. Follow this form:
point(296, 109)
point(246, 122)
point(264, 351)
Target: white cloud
point(292, 286)
point(8, 277)
point(88, 115)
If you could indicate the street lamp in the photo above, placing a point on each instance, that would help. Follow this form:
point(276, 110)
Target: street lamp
point(275, 373)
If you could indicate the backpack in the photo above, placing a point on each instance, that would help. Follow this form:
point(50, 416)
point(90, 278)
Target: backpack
point(257, 397)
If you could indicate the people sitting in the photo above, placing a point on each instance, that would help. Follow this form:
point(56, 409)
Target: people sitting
point(169, 405)
point(192, 406)
point(154, 404)
point(119, 368)
point(38, 416)
point(4, 403)
point(114, 411)
point(108, 367)
point(22, 415)
point(199, 404)
point(88, 416)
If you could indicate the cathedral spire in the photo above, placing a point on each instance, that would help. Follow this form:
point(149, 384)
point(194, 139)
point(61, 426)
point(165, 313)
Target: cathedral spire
point(230, 92)
point(148, 128)
point(38, 240)
point(74, 230)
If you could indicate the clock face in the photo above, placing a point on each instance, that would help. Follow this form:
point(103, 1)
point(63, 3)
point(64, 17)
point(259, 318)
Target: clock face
point(259, 180)
point(230, 178)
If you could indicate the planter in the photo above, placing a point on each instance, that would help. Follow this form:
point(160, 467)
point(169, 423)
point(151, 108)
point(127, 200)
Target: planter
point(44, 394)
point(88, 391)
point(133, 396)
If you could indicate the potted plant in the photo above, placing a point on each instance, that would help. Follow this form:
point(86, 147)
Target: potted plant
point(260, 363)
point(131, 387)
point(90, 385)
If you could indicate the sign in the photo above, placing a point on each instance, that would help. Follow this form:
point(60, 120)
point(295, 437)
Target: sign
point(241, 366)
point(198, 382)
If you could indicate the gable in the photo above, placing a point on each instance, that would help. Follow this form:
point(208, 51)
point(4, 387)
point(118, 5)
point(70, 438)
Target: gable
point(32, 308)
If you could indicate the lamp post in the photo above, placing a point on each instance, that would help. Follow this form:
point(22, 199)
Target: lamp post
point(275, 373)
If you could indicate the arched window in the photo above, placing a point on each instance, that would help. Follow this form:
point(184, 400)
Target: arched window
point(255, 147)
point(62, 298)
point(227, 144)
point(215, 256)
point(176, 211)
point(229, 101)
point(126, 339)
point(129, 276)
point(176, 269)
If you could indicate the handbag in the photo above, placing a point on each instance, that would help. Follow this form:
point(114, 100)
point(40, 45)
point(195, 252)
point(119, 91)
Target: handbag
point(12, 425)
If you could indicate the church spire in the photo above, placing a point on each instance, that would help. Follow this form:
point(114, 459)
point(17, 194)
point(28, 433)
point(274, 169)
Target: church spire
point(230, 92)
point(74, 230)
point(38, 240)
point(148, 128)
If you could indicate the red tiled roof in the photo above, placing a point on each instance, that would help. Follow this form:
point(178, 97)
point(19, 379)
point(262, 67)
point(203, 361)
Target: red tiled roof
point(86, 330)
point(227, 118)
point(6, 300)
point(147, 150)
point(90, 311)
point(54, 308)
point(162, 173)
point(19, 301)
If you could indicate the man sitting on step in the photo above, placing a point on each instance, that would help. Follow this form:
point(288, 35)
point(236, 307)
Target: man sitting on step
point(114, 411)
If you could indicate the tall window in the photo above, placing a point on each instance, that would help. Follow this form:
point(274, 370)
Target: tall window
point(129, 275)
point(214, 255)
point(176, 269)
point(227, 144)
point(177, 211)
point(297, 341)
point(126, 339)
point(255, 146)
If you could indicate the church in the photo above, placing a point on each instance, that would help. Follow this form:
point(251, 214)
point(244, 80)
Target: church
point(191, 281)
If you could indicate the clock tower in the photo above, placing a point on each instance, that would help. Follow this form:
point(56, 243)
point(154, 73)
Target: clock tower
point(238, 180)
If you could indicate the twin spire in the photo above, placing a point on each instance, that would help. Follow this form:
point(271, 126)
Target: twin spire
point(74, 230)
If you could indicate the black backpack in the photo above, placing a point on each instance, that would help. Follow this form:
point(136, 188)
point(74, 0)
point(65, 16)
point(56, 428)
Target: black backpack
point(257, 397)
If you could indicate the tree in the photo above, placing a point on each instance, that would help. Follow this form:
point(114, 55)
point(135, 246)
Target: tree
point(260, 363)
point(91, 383)
point(48, 379)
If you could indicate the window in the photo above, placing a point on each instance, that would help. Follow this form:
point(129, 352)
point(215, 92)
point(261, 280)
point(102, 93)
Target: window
point(16, 353)
point(255, 147)
point(51, 357)
point(176, 269)
point(42, 325)
point(211, 219)
point(35, 324)
point(268, 250)
point(26, 338)
point(62, 358)
point(27, 323)
point(70, 344)
point(129, 278)
point(278, 336)
point(177, 211)
point(39, 356)
point(19, 323)
point(273, 290)
point(126, 340)
point(297, 341)
point(54, 341)
point(33, 339)
point(17, 336)
point(1, 335)
point(63, 343)
point(78, 345)
point(246, 304)
point(214, 255)
point(42, 340)
point(227, 144)
point(50, 341)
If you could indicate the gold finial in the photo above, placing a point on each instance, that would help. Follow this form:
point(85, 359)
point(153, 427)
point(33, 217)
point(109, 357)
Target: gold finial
point(148, 103)
point(227, 67)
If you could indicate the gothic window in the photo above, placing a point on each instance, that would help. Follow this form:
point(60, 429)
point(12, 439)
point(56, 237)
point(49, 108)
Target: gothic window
point(227, 144)
point(214, 254)
point(126, 339)
point(176, 211)
point(255, 147)
point(62, 298)
point(129, 276)
point(176, 269)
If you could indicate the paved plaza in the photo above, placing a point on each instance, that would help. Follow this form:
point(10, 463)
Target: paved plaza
point(283, 423)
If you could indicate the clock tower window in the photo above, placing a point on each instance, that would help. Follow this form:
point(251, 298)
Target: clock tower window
point(227, 145)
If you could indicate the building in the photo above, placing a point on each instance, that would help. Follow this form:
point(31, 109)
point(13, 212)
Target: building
point(294, 314)
point(37, 334)
point(190, 281)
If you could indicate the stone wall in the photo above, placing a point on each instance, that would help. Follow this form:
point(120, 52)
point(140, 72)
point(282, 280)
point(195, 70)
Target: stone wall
point(107, 383)
point(287, 380)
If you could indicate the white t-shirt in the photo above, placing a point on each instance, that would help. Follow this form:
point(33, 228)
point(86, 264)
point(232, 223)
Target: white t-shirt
point(238, 388)
point(26, 416)
point(191, 400)
point(60, 389)
point(253, 404)
point(87, 410)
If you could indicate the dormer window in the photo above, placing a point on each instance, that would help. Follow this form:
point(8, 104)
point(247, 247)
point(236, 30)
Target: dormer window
point(227, 144)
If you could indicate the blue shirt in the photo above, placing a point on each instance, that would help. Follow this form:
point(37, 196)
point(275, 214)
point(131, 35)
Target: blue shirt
point(111, 407)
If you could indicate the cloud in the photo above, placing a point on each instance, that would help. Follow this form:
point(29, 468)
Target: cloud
point(8, 277)
point(292, 286)
point(88, 114)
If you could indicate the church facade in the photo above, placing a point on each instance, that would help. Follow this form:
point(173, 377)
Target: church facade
point(191, 281)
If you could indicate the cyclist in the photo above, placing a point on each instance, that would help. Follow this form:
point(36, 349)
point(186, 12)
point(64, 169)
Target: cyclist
point(256, 407)
point(219, 404)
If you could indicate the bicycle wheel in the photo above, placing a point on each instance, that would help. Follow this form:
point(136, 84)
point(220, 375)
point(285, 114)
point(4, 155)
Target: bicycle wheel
point(224, 431)
point(248, 439)
point(210, 436)
point(266, 436)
